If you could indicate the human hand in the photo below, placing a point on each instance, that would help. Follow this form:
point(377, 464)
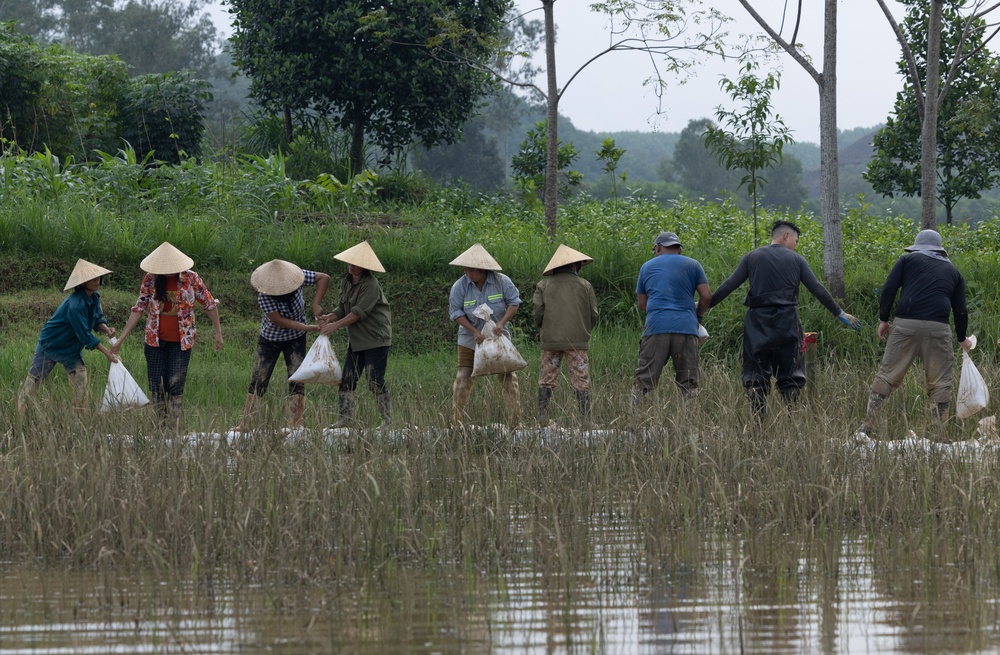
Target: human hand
point(498, 330)
point(328, 327)
point(967, 344)
point(850, 321)
point(479, 337)
point(112, 357)
point(883, 330)
point(110, 331)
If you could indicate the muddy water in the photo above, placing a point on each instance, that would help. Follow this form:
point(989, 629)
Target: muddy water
point(719, 600)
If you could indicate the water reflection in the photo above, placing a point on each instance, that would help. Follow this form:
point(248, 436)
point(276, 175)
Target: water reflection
point(756, 595)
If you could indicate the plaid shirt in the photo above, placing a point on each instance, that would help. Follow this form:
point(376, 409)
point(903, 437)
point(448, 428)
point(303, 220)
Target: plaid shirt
point(294, 311)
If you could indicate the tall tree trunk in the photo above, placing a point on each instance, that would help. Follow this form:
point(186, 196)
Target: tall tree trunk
point(833, 236)
point(357, 153)
point(552, 128)
point(286, 112)
point(928, 131)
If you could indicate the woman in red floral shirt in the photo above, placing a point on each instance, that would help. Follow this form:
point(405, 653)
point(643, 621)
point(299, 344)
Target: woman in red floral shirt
point(170, 290)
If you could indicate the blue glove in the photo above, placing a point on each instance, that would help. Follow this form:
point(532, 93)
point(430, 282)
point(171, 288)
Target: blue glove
point(850, 321)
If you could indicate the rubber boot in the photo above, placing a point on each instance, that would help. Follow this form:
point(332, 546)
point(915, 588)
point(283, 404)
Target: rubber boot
point(460, 393)
point(28, 391)
point(940, 413)
point(249, 411)
point(512, 399)
point(583, 403)
point(346, 401)
point(175, 412)
point(296, 409)
point(875, 401)
point(638, 396)
point(544, 396)
point(758, 402)
point(81, 395)
point(385, 407)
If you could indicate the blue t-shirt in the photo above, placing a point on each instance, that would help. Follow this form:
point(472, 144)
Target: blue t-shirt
point(670, 282)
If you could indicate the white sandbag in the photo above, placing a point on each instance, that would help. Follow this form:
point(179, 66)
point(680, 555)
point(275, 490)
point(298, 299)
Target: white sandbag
point(495, 354)
point(702, 334)
point(973, 394)
point(122, 391)
point(320, 365)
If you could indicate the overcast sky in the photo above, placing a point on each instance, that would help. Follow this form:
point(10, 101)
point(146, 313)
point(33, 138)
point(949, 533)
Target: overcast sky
point(609, 95)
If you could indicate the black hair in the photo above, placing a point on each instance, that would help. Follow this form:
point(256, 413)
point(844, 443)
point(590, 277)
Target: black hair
point(80, 286)
point(160, 287)
point(781, 225)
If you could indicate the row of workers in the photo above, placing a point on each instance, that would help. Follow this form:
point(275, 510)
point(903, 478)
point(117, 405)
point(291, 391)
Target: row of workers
point(672, 290)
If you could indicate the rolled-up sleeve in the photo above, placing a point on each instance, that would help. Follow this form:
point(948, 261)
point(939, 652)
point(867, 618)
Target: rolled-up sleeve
point(456, 307)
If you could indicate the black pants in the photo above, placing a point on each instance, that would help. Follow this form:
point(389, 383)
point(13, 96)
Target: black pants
point(268, 352)
point(166, 368)
point(373, 361)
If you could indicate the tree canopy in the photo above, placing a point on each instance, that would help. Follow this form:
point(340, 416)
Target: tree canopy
point(393, 71)
point(968, 128)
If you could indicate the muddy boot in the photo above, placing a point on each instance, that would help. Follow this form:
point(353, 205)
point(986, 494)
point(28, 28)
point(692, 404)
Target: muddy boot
point(296, 409)
point(638, 396)
point(175, 413)
point(512, 399)
point(385, 407)
point(583, 403)
point(544, 396)
point(346, 400)
point(939, 411)
point(460, 393)
point(249, 411)
point(758, 402)
point(27, 393)
point(875, 401)
point(81, 395)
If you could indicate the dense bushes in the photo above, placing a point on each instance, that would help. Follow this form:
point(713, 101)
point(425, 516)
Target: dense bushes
point(71, 105)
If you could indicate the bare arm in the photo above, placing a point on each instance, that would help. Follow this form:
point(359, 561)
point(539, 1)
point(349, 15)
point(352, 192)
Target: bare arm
point(213, 314)
point(704, 300)
point(277, 319)
point(641, 300)
point(322, 284)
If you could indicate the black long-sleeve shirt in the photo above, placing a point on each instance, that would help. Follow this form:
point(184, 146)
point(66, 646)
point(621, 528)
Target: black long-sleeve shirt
point(931, 288)
point(775, 273)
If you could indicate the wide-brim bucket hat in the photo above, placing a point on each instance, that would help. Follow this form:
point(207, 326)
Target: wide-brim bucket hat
point(277, 277)
point(166, 260)
point(926, 240)
point(84, 271)
point(361, 255)
point(476, 257)
point(565, 255)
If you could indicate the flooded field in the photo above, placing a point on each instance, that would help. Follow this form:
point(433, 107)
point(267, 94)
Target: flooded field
point(719, 601)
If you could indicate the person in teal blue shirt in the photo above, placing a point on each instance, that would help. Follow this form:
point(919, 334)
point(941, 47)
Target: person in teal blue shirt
point(67, 333)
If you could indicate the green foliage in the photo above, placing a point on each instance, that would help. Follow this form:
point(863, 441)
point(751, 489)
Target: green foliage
point(528, 164)
point(396, 72)
point(968, 130)
point(165, 114)
point(56, 98)
point(754, 138)
point(610, 155)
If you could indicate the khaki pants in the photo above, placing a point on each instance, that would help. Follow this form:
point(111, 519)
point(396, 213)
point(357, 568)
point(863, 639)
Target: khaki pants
point(462, 389)
point(577, 364)
point(908, 340)
point(656, 349)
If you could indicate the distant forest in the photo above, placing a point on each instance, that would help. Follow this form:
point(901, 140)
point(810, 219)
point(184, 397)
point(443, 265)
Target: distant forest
point(661, 165)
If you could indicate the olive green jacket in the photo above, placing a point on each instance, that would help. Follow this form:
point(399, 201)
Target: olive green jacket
point(565, 311)
point(366, 299)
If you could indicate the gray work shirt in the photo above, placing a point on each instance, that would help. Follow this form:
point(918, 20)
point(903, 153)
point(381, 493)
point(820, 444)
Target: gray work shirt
point(498, 292)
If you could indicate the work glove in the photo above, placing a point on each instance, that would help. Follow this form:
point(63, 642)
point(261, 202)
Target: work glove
point(849, 320)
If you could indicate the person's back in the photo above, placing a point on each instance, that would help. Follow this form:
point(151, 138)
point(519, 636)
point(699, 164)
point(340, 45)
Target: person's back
point(930, 289)
point(669, 283)
point(570, 312)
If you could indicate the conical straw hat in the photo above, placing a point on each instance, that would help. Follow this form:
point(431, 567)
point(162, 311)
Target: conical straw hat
point(361, 255)
point(476, 257)
point(277, 277)
point(84, 271)
point(166, 260)
point(565, 255)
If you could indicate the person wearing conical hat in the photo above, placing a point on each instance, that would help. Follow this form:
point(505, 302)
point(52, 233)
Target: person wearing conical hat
point(364, 311)
point(282, 331)
point(67, 333)
point(169, 292)
point(482, 283)
point(565, 310)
